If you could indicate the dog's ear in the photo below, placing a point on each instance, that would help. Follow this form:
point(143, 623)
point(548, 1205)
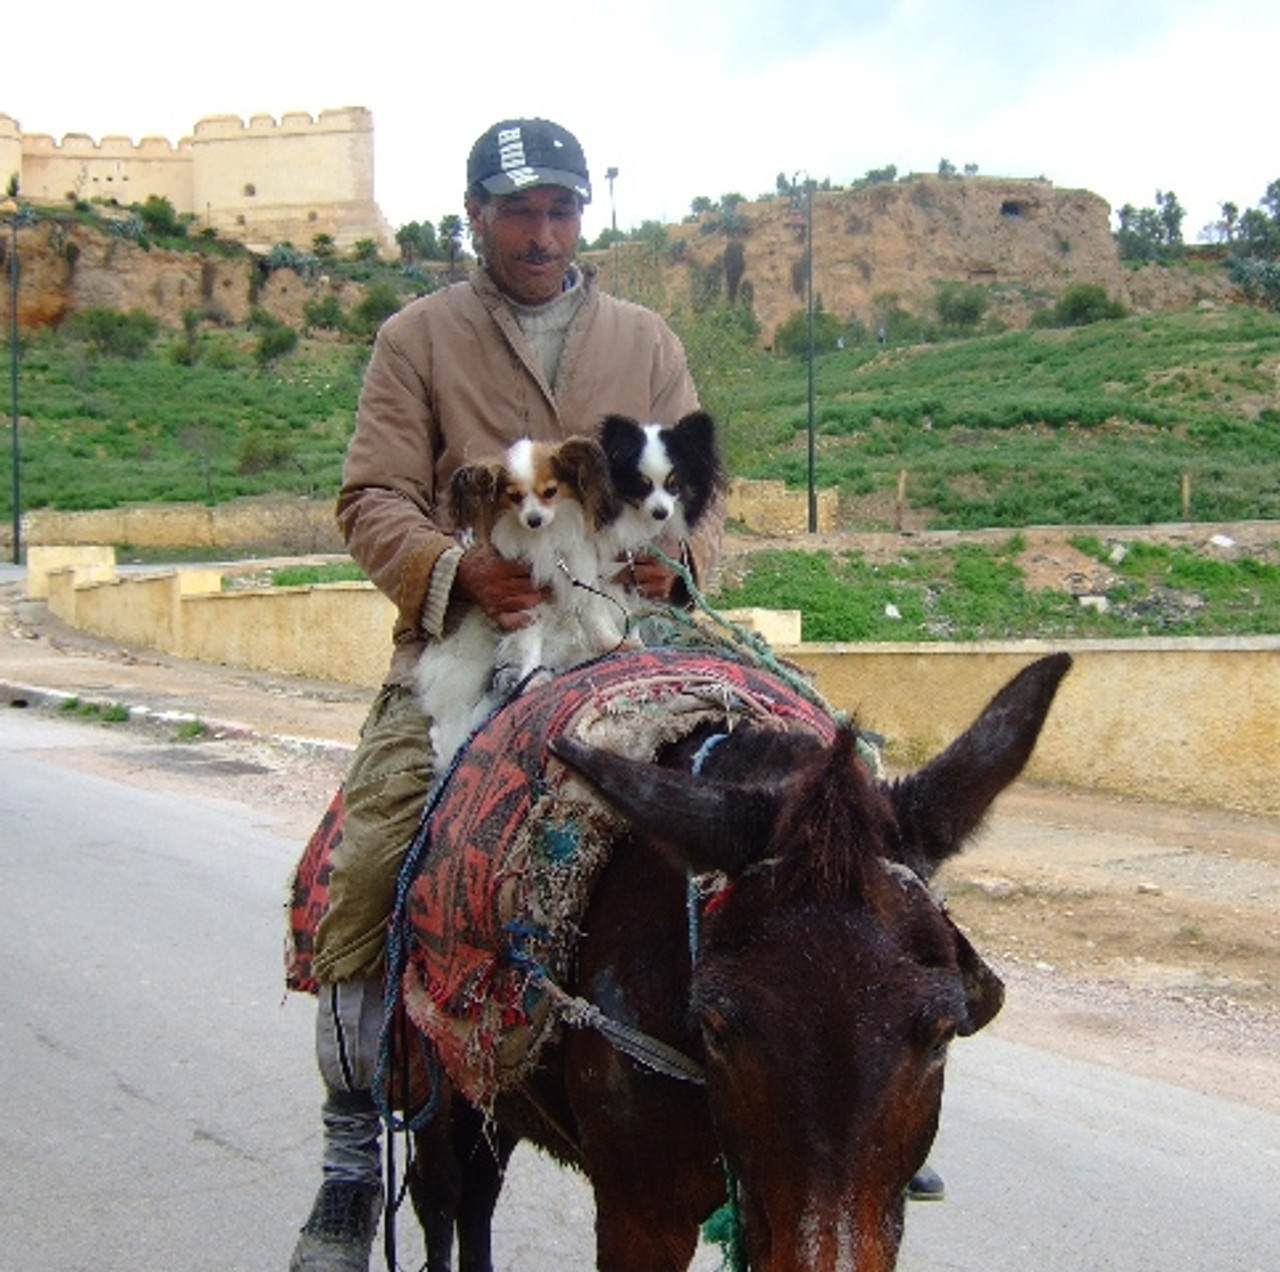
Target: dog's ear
point(692, 443)
point(622, 438)
point(473, 498)
point(581, 462)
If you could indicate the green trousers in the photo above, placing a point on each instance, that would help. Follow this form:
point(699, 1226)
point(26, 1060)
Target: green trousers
point(386, 787)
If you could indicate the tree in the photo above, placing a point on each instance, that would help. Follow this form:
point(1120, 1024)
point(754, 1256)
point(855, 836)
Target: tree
point(946, 168)
point(701, 204)
point(1151, 234)
point(417, 242)
point(1258, 232)
point(608, 237)
point(451, 238)
point(735, 265)
point(878, 176)
point(1254, 264)
point(792, 335)
point(960, 307)
point(1172, 214)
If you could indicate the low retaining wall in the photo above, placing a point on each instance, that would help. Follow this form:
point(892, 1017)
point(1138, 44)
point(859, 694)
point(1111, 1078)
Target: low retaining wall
point(286, 525)
point(1191, 721)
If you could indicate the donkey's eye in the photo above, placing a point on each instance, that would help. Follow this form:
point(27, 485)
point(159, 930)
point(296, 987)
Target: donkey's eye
point(939, 1039)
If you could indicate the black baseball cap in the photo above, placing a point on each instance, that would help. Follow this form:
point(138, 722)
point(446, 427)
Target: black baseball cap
point(517, 153)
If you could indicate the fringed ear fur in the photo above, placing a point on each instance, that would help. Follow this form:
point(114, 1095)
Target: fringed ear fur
point(582, 463)
point(473, 495)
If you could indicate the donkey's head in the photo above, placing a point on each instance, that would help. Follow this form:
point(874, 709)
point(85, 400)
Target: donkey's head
point(829, 982)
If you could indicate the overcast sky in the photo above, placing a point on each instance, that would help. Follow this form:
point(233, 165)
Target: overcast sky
point(697, 97)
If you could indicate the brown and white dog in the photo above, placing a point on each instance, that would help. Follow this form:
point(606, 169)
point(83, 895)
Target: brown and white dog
point(545, 504)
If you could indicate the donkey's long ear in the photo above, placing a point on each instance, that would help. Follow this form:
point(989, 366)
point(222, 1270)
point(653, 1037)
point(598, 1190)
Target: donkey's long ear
point(582, 463)
point(705, 825)
point(944, 803)
point(473, 498)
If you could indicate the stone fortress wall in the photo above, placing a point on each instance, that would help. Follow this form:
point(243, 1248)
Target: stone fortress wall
point(263, 182)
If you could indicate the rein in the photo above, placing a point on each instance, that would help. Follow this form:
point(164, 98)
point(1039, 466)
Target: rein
point(647, 1050)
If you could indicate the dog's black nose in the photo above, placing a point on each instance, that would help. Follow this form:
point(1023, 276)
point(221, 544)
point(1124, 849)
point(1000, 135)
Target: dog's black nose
point(533, 520)
point(660, 514)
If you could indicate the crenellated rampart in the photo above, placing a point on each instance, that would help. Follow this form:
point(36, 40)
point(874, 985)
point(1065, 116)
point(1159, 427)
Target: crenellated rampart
point(263, 182)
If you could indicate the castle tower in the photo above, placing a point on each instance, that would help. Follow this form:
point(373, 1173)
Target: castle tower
point(263, 183)
point(269, 183)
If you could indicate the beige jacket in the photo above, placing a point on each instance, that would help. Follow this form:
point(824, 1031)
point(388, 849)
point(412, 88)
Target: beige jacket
point(452, 380)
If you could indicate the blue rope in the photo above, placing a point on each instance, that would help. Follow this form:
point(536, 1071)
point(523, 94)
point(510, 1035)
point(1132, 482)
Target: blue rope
point(397, 957)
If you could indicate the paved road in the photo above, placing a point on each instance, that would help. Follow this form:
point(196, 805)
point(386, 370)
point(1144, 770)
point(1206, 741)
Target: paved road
point(159, 1104)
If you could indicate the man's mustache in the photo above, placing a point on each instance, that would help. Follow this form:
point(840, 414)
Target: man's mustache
point(536, 256)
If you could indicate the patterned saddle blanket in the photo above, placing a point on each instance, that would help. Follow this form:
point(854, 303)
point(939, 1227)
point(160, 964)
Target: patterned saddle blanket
point(512, 843)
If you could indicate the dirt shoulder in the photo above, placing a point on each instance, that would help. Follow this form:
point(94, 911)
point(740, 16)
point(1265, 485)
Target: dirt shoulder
point(1137, 934)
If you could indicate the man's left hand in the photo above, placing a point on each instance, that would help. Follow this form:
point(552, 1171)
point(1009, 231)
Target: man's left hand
point(648, 576)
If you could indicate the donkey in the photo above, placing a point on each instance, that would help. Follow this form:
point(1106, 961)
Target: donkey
point(815, 1012)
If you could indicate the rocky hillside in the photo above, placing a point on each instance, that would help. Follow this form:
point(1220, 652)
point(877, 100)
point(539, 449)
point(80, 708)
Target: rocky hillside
point(68, 266)
point(1024, 241)
point(884, 244)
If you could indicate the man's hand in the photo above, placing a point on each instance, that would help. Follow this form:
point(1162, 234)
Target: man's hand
point(648, 576)
point(503, 589)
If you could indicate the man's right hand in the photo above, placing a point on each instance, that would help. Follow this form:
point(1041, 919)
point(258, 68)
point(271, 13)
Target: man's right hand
point(503, 589)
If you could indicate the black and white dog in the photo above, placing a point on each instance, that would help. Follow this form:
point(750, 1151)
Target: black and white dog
point(665, 477)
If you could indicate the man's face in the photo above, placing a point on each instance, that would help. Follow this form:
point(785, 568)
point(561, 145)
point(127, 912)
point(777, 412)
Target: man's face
point(528, 240)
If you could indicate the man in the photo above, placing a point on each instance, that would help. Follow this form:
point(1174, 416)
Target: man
point(528, 346)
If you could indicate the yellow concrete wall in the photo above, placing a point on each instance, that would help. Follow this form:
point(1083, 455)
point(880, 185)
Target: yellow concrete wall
point(339, 631)
point(298, 525)
point(89, 564)
point(1191, 721)
point(768, 507)
point(135, 610)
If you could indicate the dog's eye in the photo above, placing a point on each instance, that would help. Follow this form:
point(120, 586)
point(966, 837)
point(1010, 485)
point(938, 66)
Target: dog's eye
point(514, 497)
point(671, 485)
point(549, 493)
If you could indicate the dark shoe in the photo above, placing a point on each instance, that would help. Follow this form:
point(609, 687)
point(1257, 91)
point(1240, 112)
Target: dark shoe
point(338, 1236)
point(926, 1185)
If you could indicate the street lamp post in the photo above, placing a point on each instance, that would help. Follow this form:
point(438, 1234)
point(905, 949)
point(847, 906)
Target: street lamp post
point(10, 206)
point(610, 175)
point(808, 291)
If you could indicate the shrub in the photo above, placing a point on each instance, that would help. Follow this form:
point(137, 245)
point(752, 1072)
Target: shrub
point(792, 335)
point(274, 342)
point(960, 307)
point(325, 312)
point(1078, 306)
point(118, 335)
point(158, 216)
point(379, 303)
point(259, 452)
